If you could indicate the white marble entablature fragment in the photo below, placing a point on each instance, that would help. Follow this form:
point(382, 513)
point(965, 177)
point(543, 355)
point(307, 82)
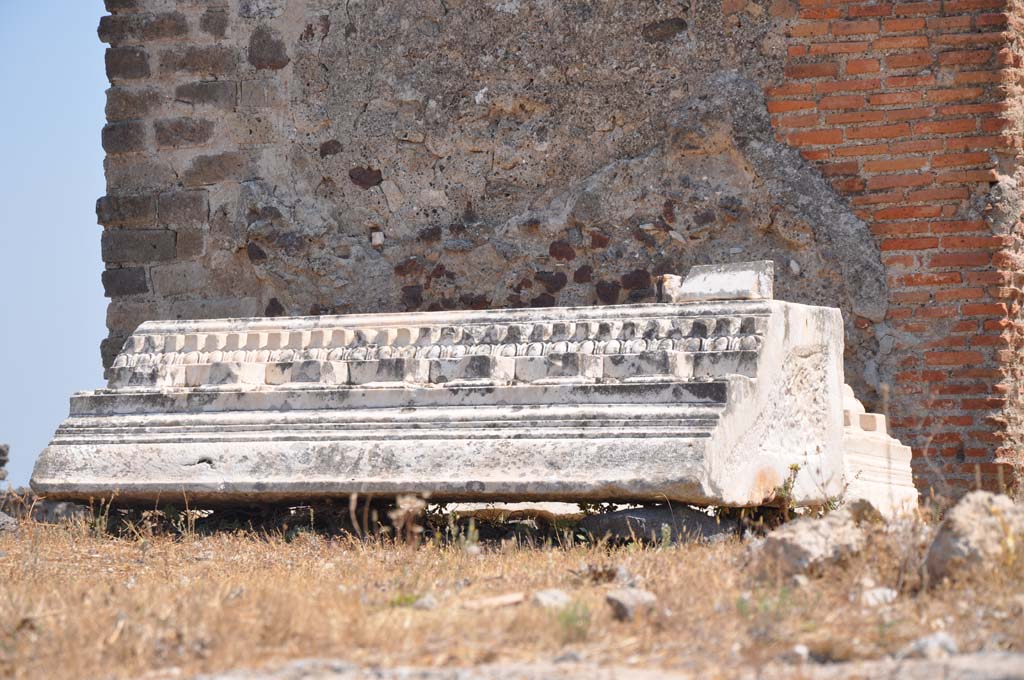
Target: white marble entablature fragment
point(713, 402)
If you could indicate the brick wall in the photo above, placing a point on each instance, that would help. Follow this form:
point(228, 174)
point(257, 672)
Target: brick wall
point(269, 157)
point(912, 111)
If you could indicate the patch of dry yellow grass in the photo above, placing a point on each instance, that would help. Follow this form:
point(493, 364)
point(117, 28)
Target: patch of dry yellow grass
point(75, 603)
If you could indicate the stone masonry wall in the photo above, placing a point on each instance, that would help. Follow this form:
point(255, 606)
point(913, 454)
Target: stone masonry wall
point(271, 157)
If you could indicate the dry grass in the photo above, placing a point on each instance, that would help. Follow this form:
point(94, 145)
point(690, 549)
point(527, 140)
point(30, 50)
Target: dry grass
point(76, 602)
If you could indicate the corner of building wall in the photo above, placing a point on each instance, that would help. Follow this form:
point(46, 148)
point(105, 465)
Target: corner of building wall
point(908, 108)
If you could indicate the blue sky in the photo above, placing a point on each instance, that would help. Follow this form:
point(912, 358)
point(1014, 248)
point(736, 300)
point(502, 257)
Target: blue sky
point(52, 309)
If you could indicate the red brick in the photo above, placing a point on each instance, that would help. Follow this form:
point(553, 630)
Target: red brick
point(982, 142)
point(900, 43)
point(821, 13)
point(806, 29)
point(945, 127)
point(787, 105)
point(972, 242)
point(801, 71)
point(909, 244)
point(958, 226)
point(883, 228)
point(861, 150)
point(957, 94)
point(985, 309)
point(993, 20)
point(848, 101)
point(974, 57)
point(917, 146)
point(981, 404)
point(965, 358)
point(995, 124)
point(979, 259)
point(879, 10)
point(952, 160)
point(949, 23)
point(895, 115)
point(943, 194)
point(935, 312)
point(855, 117)
point(963, 109)
point(844, 168)
point(895, 164)
point(960, 6)
point(848, 186)
point(956, 294)
point(893, 261)
point(905, 82)
point(799, 121)
point(855, 27)
point(966, 176)
point(789, 90)
point(891, 98)
point(890, 181)
point(930, 280)
point(915, 60)
point(859, 66)
point(990, 341)
point(907, 212)
point(839, 47)
point(879, 131)
point(902, 25)
point(863, 85)
point(973, 77)
point(814, 137)
point(918, 8)
point(971, 39)
point(889, 197)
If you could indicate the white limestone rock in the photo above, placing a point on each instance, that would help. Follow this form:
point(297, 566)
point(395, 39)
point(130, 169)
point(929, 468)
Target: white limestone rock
point(7, 523)
point(980, 529)
point(808, 545)
point(744, 281)
point(552, 598)
point(932, 647)
point(626, 603)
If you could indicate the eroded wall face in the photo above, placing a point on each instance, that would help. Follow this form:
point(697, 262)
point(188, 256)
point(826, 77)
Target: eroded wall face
point(272, 157)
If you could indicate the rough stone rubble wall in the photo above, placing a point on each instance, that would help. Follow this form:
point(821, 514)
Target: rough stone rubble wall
point(270, 157)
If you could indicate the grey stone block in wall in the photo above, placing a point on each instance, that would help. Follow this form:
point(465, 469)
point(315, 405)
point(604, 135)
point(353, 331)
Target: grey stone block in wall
point(138, 245)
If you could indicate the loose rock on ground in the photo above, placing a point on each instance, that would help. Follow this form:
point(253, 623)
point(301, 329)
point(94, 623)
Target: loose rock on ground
point(982, 527)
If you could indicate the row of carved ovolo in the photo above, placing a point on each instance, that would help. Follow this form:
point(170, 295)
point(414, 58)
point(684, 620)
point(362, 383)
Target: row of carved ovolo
point(422, 342)
point(373, 352)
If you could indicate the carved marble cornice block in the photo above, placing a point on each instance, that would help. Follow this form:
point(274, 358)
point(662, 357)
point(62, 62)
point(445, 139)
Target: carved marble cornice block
point(877, 465)
point(711, 401)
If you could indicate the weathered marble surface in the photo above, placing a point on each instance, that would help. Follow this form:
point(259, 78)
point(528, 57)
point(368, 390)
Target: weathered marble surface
point(877, 465)
point(702, 402)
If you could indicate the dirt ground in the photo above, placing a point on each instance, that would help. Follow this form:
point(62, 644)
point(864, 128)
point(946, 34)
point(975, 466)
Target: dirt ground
point(167, 597)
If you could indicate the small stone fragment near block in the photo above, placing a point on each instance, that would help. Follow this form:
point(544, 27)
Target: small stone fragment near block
point(627, 603)
point(4, 457)
point(809, 545)
point(745, 281)
point(982, 530)
point(730, 402)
